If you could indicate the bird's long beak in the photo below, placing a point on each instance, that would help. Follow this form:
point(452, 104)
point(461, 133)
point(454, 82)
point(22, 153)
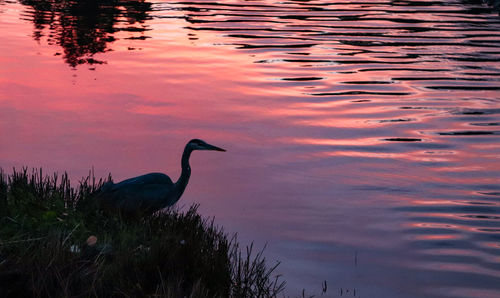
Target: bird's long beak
point(212, 147)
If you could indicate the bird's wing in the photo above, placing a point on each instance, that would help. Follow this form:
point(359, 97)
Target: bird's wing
point(142, 197)
point(151, 178)
point(146, 194)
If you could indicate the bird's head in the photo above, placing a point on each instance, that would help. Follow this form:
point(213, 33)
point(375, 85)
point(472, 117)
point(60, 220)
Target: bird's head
point(197, 144)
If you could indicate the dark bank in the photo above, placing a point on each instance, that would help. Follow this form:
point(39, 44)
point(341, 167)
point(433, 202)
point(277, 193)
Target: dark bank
point(53, 243)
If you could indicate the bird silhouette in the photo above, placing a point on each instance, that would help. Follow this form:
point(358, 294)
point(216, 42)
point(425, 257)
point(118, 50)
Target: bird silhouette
point(146, 194)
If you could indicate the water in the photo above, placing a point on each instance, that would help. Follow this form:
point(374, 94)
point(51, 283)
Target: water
point(362, 137)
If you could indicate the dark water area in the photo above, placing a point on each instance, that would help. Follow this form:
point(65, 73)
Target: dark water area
point(362, 137)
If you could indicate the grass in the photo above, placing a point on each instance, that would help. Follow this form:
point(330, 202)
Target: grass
point(47, 248)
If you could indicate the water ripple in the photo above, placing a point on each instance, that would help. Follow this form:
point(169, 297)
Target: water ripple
point(404, 95)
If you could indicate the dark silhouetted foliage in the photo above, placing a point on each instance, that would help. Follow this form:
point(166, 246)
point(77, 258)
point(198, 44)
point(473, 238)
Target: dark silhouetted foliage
point(53, 243)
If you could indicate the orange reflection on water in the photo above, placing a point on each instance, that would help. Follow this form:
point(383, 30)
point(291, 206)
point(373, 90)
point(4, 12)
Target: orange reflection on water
point(438, 237)
point(435, 202)
point(453, 228)
point(432, 225)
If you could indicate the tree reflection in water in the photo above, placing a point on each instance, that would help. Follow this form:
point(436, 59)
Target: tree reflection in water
point(85, 27)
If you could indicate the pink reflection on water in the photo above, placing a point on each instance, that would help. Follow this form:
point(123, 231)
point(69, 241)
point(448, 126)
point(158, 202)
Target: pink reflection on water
point(317, 164)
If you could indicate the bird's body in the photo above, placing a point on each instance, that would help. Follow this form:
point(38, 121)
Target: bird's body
point(146, 194)
point(143, 194)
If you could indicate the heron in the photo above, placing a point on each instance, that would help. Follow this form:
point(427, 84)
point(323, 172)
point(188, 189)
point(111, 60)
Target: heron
point(146, 194)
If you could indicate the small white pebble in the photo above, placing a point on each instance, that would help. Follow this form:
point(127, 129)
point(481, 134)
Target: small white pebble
point(183, 242)
point(92, 240)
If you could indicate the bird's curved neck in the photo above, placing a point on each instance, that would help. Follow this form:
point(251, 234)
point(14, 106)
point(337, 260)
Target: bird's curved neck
point(181, 184)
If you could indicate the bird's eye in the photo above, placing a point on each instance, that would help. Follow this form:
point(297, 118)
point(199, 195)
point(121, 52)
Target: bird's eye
point(195, 143)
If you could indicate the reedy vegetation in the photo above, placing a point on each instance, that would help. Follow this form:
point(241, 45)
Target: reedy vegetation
point(44, 225)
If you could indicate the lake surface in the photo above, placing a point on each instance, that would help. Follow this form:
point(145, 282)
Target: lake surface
point(362, 137)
